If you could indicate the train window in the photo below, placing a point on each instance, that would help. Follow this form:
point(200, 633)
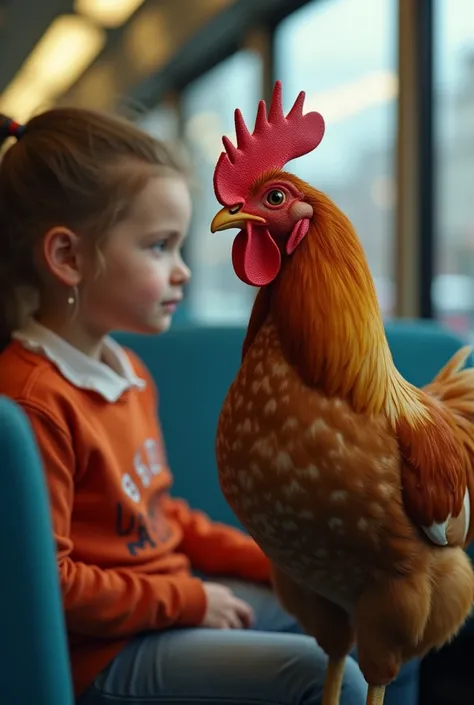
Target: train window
point(343, 53)
point(162, 122)
point(216, 296)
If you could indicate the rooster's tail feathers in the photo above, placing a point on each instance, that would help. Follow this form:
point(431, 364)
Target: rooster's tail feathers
point(454, 384)
point(454, 364)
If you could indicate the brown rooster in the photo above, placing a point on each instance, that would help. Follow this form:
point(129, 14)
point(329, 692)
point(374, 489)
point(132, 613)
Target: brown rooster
point(355, 483)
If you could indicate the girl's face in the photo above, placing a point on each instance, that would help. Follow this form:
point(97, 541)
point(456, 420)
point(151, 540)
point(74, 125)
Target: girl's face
point(142, 282)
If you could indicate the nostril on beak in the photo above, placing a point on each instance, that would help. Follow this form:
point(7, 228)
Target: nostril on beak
point(235, 209)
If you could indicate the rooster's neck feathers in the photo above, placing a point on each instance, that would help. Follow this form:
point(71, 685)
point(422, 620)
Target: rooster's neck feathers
point(325, 306)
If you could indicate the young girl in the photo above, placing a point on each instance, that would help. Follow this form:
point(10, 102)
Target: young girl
point(93, 215)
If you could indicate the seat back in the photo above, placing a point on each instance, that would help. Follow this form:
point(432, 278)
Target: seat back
point(193, 368)
point(34, 664)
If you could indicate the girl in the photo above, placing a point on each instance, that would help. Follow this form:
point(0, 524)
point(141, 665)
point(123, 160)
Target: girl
point(93, 215)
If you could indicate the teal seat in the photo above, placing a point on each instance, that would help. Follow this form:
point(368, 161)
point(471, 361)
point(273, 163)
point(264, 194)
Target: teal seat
point(194, 367)
point(34, 666)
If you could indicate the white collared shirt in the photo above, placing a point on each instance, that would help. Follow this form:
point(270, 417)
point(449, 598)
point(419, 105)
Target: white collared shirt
point(110, 377)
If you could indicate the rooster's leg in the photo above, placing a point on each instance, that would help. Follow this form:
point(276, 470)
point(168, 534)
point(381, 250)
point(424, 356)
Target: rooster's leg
point(390, 619)
point(375, 695)
point(328, 623)
point(333, 681)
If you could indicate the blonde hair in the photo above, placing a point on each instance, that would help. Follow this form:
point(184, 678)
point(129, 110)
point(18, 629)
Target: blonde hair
point(69, 167)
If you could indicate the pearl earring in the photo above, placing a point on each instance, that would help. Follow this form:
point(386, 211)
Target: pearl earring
point(73, 301)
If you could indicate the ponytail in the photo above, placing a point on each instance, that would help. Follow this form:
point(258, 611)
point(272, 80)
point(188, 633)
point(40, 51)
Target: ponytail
point(10, 316)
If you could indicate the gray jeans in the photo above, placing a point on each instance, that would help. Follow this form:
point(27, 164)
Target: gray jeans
point(272, 664)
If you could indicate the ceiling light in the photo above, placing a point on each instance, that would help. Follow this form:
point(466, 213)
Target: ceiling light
point(108, 13)
point(67, 48)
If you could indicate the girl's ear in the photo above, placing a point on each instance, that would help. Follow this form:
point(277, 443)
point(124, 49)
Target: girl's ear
point(62, 256)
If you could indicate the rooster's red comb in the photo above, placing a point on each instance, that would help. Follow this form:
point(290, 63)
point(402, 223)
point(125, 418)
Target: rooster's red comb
point(276, 140)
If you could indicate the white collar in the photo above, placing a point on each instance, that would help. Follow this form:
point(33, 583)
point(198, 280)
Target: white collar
point(110, 378)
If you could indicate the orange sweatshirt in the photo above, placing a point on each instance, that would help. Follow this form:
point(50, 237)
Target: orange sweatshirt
point(125, 548)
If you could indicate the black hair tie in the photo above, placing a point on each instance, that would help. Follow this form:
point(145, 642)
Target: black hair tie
point(10, 128)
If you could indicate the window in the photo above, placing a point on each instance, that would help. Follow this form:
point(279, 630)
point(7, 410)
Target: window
point(161, 122)
point(216, 295)
point(453, 285)
point(343, 54)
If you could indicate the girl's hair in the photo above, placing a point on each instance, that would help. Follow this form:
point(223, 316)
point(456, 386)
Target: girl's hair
point(70, 167)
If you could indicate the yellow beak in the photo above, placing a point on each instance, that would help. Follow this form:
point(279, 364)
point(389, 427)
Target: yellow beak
point(225, 220)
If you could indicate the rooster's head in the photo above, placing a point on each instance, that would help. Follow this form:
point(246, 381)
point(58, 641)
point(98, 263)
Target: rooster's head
point(258, 197)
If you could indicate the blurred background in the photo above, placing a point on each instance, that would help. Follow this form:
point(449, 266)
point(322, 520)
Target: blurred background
point(394, 80)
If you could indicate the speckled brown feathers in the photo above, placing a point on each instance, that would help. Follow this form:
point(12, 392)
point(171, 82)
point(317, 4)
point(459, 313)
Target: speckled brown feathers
point(315, 470)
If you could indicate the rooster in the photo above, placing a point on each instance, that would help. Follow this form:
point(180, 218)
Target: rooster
point(355, 483)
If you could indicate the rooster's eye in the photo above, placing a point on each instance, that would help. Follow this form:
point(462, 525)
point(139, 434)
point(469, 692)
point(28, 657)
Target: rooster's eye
point(275, 197)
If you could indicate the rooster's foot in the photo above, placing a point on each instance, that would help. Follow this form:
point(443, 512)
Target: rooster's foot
point(375, 695)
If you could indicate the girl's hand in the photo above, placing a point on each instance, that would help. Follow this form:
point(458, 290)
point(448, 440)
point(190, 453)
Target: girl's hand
point(224, 610)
